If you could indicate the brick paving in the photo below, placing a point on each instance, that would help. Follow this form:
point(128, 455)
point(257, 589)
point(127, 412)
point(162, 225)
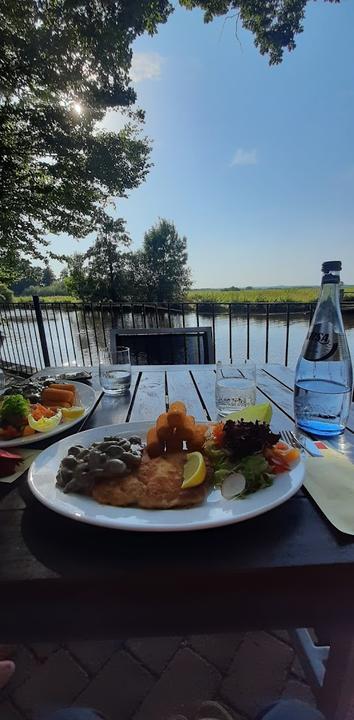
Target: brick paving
point(154, 678)
point(257, 674)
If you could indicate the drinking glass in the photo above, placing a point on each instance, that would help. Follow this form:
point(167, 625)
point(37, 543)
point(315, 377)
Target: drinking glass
point(235, 386)
point(115, 370)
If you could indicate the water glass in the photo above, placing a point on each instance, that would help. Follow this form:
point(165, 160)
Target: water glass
point(235, 387)
point(115, 370)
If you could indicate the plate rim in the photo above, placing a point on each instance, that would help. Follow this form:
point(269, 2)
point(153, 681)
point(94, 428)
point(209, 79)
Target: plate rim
point(80, 370)
point(32, 439)
point(119, 524)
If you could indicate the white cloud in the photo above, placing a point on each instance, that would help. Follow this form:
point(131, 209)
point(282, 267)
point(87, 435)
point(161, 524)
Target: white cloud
point(145, 66)
point(245, 157)
point(114, 120)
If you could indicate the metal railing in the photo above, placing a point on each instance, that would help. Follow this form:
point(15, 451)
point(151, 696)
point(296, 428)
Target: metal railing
point(38, 334)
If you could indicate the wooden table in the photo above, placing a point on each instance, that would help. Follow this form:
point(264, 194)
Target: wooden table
point(288, 568)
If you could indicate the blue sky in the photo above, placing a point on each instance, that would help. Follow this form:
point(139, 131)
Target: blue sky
point(254, 164)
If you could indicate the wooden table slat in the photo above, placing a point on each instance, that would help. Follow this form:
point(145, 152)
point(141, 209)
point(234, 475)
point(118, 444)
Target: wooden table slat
point(281, 373)
point(113, 410)
point(278, 393)
point(180, 386)
point(205, 380)
point(150, 398)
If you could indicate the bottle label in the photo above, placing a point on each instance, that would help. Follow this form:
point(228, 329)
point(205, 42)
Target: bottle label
point(322, 343)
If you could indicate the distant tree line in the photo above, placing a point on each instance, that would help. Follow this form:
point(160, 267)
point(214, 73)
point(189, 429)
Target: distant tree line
point(109, 271)
point(34, 277)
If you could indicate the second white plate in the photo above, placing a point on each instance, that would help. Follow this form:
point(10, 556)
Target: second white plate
point(86, 396)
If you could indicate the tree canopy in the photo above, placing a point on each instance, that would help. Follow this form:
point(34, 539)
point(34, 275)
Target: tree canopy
point(104, 271)
point(107, 263)
point(63, 64)
point(108, 271)
point(32, 275)
point(164, 258)
point(48, 275)
point(76, 279)
point(273, 23)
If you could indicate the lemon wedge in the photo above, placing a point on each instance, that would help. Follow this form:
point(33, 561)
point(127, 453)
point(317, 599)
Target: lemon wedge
point(194, 471)
point(45, 424)
point(73, 412)
point(261, 412)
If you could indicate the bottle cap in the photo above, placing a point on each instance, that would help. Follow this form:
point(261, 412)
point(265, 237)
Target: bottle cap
point(332, 266)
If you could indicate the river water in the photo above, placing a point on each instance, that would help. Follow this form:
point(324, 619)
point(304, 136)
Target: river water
point(299, 324)
point(74, 336)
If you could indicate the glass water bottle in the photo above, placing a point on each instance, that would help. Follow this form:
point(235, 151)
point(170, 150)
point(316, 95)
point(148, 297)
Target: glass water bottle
point(324, 376)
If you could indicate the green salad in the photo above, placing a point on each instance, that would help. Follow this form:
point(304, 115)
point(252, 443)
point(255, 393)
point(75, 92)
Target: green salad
point(239, 447)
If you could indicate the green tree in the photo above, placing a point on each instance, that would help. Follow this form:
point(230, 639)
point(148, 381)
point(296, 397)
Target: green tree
point(30, 275)
point(163, 271)
point(62, 66)
point(103, 272)
point(48, 276)
point(274, 23)
point(107, 271)
point(76, 280)
point(107, 264)
point(12, 266)
point(6, 294)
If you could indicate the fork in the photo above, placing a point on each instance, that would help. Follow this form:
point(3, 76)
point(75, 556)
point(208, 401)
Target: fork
point(289, 437)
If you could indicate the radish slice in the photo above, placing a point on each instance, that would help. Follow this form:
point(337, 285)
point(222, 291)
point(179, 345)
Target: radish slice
point(233, 485)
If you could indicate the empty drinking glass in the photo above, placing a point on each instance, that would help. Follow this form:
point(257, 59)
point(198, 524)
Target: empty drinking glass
point(235, 386)
point(115, 370)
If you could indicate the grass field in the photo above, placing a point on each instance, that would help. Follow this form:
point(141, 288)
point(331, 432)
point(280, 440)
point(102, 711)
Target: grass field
point(295, 294)
point(50, 299)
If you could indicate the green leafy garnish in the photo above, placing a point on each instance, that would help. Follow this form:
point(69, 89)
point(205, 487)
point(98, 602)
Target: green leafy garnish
point(257, 472)
point(223, 472)
point(255, 468)
point(221, 461)
point(14, 410)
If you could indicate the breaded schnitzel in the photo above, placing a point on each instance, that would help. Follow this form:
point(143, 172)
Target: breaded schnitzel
point(156, 484)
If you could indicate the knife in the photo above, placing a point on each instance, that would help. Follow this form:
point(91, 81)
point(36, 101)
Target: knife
point(309, 445)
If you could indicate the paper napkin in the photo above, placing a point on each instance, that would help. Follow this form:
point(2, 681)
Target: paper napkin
point(330, 481)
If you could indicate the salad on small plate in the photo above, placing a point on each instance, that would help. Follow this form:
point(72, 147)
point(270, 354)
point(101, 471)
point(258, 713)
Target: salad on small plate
point(31, 408)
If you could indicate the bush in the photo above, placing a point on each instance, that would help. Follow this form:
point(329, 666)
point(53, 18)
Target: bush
point(56, 288)
point(6, 295)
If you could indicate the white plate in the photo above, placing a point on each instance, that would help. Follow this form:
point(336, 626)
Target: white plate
point(86, 396)
point(215, 510)
point(58, 372)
